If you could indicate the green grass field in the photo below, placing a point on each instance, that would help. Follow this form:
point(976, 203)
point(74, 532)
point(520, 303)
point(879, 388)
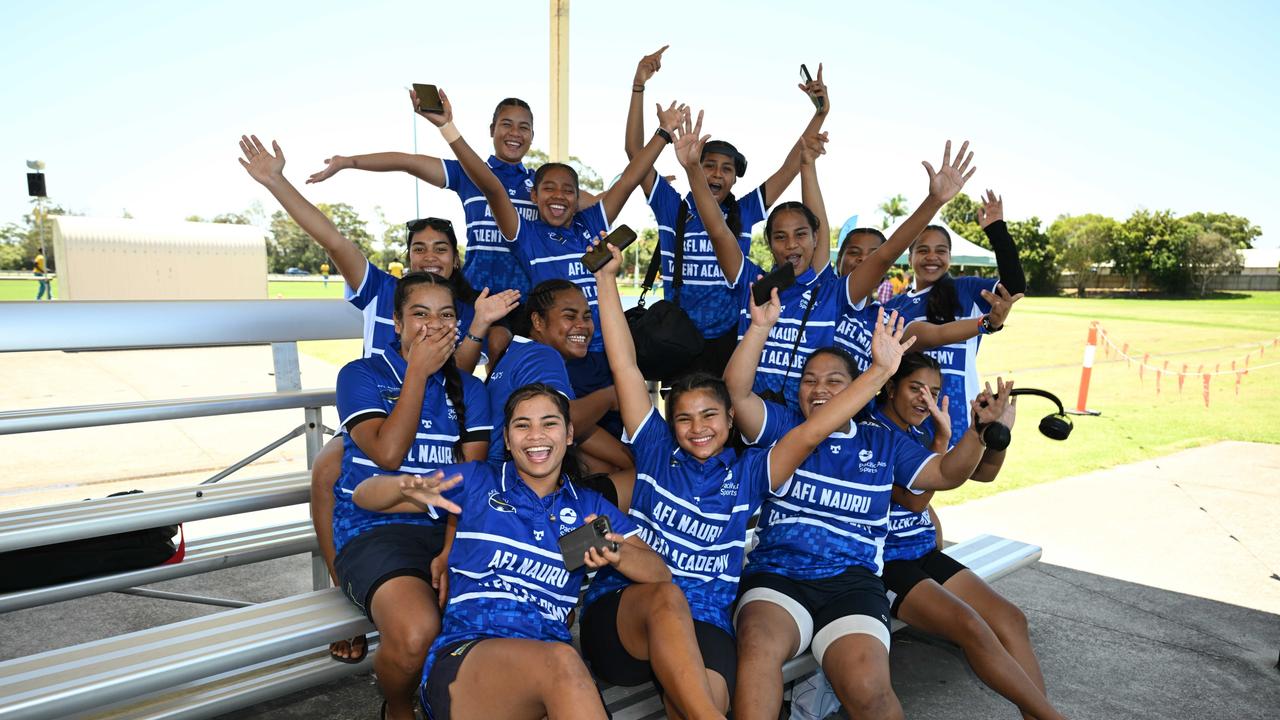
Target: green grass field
point(1042, 347)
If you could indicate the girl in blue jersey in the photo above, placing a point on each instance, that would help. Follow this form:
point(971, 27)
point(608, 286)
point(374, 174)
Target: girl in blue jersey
point(504, 649)
point(408, 410)
point(711, 306)
point(552, 245)
point(813, 580)
point(927, 588)
point(431, 247)
point(940, 298)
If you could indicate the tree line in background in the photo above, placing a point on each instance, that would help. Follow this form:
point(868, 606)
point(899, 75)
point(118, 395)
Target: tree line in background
point(1177, 255)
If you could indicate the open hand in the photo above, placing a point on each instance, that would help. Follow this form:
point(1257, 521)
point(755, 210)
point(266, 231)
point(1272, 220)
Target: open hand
point(439, 119)
point(426, 491)
point(492, 308)
point(991, 209)
point(812, 146)
point(946, 183)
point(887, 346)
point(690, 141)
point(331, 167)
point(1001, 303)
point(816, 89)
point(941, 419)
point(648, 65)
point(989, 406)
point(260, 164)
point(671, 118)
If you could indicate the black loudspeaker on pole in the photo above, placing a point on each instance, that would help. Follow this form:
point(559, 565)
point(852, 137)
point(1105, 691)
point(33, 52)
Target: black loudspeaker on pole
point(35, 185)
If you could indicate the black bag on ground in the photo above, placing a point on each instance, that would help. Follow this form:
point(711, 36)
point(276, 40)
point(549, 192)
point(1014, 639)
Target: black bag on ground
point(667, 342)
point(80, 559)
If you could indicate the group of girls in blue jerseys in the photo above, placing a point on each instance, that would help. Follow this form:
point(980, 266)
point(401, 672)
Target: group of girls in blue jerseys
point(778, 503)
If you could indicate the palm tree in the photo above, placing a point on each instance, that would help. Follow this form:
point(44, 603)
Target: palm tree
point(893, 208)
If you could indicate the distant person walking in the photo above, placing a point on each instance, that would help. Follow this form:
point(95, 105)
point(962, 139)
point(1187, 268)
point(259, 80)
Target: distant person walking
point(884, 293)
point(44, 287)
point(324, 273)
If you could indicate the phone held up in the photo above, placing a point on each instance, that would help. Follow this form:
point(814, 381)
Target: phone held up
point(574, 545)
point(804, 73)
point(782, 277)
point(428, 98)
point(596, 257)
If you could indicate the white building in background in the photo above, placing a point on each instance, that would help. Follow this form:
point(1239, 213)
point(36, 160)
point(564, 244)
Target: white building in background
point(128, 259)
point(1260, 261)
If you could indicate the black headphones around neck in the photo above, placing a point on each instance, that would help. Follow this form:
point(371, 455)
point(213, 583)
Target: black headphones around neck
point(1056, 426)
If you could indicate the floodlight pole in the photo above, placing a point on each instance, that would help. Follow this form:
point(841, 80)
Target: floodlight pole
point(559, 55)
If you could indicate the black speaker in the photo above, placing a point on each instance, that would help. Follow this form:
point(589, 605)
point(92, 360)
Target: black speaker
point(35, 185)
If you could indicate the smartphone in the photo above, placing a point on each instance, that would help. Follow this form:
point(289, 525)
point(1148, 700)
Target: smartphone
point(783, 277)
point(428, 98)
point(804, 73)
point(574, 544)
point(596, 257)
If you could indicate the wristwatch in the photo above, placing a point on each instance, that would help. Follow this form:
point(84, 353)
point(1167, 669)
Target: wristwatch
point(986, 328)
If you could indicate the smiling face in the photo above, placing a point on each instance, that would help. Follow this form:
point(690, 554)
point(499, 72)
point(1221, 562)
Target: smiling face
point(538, 435)
point(425, 305)
point(907, 397)
point(432, 251)
point(701, 423)
point(825, 376)
point(857, 246)
point(512, 133)
point(791, 239)
point(930, 258)
point(566, 325)
point(721, 174)
point(556, 196)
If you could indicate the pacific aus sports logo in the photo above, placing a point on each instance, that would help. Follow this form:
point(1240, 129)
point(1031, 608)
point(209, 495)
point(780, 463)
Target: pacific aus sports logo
point(497, 502)
point(864, 456)
point(568, 516)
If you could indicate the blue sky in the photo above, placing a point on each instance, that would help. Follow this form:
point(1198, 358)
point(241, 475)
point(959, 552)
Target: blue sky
point(1071, 107)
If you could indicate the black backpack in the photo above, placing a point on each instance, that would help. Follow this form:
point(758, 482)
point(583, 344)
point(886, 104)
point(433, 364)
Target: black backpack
point(667, 342)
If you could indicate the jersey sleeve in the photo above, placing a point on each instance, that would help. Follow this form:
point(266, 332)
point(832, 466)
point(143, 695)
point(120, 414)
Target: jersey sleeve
point(752, 208)
point(753, 469)
point(544, 365)
point(477, 477)
point(454, 177)
point(741, 284)
point(909, 458)
point(969, 289)
point(596, 220)
point(652, 444)
point(778, 421)
point(665, 203)
point(479, 414)
point(358, 397)
point(374, 278)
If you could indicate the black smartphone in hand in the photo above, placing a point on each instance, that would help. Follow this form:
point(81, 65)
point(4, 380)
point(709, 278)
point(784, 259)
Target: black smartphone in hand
point(598, 256)
point(428, 98)
point(574, 545)
point(782, 277)
point(804, 73)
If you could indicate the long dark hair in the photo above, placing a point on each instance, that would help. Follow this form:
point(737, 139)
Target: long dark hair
point(944, 302)
point(452, 377)
point(571, 465)
point(462, 289)
point(541, 298)
point(911, 362)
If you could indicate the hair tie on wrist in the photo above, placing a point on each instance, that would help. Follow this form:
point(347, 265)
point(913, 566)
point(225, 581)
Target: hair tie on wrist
point(473, 338)
point(637, 88)
point(449, 132)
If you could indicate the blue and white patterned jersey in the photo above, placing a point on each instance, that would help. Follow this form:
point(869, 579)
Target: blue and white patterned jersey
point(705, 296)
point(369, 388)
point(779, 368)
point(854, 328)
point(507, 578)
point(488, 260)
point(376, 300)
point(911, 534)
point(835, 513)
point(959, 361)
point(694, 514)
point(526, 361)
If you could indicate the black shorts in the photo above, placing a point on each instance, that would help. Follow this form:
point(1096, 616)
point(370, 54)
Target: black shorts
point(610, 661)
point(434, 693)
point(384, 552)
point(825, 609)
point(902, 575)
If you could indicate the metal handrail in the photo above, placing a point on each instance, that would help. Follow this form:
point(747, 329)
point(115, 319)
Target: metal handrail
point(63, 418)
point(139, 324)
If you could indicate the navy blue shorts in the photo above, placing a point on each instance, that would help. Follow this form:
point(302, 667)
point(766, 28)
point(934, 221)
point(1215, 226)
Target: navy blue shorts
point(384, 552)
point(588, 375)
point(434, 692)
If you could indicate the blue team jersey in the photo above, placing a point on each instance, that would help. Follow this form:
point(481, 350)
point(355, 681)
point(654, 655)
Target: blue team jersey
point(835, 511)
point(369, 388)
point(694, 515)
point(780, 369)
point(376, 300)
point(488, 259)
point(556, 253)
point(705, 296)
point(911, 534)
point(959, 361)
point(507, 578)
point(526, 361)
point(854, 328)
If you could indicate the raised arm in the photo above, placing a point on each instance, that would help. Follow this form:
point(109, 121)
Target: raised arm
point(489, 310)
point(887, 348)
point(268, 170)
point(504, 212)
point(943, 185)
point(959, 463)
point(689, 144)
point(811, 148)
point(782, 177)
point(993, 460)
point(628, 382)
point(929, 335)
point(424, 167)
point(991, 218)
point(641, 166)
point(633, 141)
point(740, 373)
point(406, 493)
